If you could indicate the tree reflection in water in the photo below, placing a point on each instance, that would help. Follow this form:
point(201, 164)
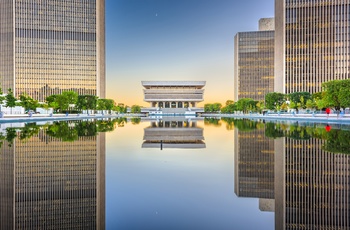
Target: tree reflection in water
point(336, 139)
point(65, 130)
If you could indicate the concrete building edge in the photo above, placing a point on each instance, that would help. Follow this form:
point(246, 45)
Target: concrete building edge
point(279, 46)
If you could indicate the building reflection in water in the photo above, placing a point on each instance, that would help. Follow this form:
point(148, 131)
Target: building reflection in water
point(47, 183)
point(311, 185)
point(173, 132)
point(254, 167)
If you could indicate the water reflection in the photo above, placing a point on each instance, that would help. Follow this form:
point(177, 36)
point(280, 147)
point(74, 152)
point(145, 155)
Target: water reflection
point(173, 132)
point(53, 175)
point(254, 167)
point(309, 165)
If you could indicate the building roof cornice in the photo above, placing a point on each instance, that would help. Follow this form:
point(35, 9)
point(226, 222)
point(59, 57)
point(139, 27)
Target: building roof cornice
point(173, 83)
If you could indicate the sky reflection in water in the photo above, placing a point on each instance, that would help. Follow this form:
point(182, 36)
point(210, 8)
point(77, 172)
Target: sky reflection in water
point(149, 188)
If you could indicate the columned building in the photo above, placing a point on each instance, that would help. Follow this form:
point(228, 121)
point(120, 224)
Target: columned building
point(51, 46)
point(175, 97)
point(312, 44)
point(254, 62)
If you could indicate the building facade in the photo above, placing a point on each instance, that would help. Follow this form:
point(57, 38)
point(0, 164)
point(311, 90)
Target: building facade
point(47, 47)
point(254, 62)
point(179, 97)
point(312, 44)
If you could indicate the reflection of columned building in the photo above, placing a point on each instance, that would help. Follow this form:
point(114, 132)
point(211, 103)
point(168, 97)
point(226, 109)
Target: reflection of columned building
point(49, 184)
point(173, 133)
point(254, 62)
point(312, 186)
point(179, 97)
point(254, 167)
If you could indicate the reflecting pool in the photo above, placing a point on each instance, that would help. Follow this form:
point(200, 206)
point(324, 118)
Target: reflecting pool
point(174, 173)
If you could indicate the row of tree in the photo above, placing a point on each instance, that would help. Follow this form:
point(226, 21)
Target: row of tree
point(67, 101)
point(335, 94)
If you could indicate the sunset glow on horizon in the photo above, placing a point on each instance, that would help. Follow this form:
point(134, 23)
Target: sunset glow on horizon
point(168, 40)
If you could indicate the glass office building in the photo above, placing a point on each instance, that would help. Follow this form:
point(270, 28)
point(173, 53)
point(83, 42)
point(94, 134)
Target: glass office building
point(312, 44)
point(47, 47)
point(254, 62)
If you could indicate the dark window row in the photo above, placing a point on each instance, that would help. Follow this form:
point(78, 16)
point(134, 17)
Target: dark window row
point(52, 34)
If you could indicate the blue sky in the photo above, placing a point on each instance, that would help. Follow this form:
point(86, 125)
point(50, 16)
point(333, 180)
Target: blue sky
point(175, 40)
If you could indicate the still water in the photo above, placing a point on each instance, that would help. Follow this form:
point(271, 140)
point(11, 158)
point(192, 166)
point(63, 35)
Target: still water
point(174, 173)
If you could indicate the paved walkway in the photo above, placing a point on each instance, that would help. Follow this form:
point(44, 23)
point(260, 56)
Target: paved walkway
point(319, 118)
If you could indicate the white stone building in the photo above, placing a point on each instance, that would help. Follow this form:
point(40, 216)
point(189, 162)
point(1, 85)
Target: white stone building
point(173, 97)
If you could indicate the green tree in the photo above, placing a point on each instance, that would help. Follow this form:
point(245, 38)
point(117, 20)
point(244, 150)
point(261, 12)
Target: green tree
point(10, 99)
point(207, 108)
point(274, 99)
point(217, 107)
point(105, 104)
point(62, 102)
point(231, 108)
point(86, 102)
point(121, 108)
point(310, 104)
point(52, 101)
point(101, 104)
point(229, 102)
point(344, 97)
point(66, 99)
point(246, 104)
point(284, 106)
point(28, 102)
point(335, 93)
point(135, 109)
point(260, 106)
point(72, 97)
point(299, 99)
point(211, 108)
point(319, 101)
point(51, 98)
point(109, 103)
point(2, 98)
